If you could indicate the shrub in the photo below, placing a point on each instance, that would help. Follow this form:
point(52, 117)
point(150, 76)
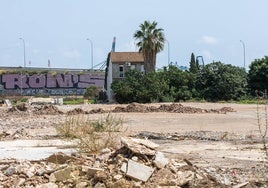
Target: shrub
point(92, 135)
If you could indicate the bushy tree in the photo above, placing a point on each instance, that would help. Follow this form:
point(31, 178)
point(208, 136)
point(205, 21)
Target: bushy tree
point(258, 75)
point(92, 92)
point(218, 81)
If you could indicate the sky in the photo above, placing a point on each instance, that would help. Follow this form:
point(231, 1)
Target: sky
point(57, 30)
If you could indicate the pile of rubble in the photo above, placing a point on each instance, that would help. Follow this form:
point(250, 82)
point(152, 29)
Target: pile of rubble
point(136, 164)
point(133, 107)
point(172, 108)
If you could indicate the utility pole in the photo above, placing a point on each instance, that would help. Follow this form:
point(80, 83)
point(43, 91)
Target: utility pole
point(244, 49)
point(24, 55)
point(91, 43)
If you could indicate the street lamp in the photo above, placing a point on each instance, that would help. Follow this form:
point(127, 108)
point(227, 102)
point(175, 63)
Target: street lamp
point(168, 52)
point(91, 43)
point(23, 51)
point(244, 48)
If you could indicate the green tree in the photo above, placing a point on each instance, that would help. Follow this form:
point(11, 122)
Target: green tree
point(218, 81)
point(194, 64)
point(150, 41)
point(91, 92)
point(258, 75)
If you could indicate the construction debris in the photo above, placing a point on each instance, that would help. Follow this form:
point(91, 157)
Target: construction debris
point(129, 166)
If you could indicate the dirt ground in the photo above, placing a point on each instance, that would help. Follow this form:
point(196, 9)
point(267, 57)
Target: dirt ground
point(226, 140)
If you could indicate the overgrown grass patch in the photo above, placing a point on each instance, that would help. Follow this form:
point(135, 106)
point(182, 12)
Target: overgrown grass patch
point(92, 135)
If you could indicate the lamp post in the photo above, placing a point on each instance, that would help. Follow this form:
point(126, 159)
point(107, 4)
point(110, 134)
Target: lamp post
point(24, 51)
point(244, 50)
point(168, 52)
point(91, 43)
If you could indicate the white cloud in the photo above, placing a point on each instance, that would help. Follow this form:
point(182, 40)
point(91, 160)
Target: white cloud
point(209, 40)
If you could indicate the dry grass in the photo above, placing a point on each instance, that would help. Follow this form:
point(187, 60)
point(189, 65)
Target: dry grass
point(92, 135)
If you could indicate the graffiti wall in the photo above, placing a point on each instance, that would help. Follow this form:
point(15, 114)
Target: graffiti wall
point(59, 84)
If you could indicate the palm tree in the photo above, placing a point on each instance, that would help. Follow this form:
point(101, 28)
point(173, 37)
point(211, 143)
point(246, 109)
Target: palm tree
point(150, 41)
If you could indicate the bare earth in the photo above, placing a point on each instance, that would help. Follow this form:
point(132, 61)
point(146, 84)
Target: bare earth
point(230, 140)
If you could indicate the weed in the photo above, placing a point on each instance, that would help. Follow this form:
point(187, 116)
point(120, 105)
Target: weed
point(262, 121)
point(92, 135)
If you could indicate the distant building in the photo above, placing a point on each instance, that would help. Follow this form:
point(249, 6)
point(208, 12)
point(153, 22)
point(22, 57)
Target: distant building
point(118, 64)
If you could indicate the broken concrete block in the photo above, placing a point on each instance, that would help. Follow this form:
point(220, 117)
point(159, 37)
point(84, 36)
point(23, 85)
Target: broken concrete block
point(124, 167)
point(91, 171)
point(147, 143)
point(61, 175)
point(138, 171)
point(160, 160)
point(137, 147)
point(58, 158)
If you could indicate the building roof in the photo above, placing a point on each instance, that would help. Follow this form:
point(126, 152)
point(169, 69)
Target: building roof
point(126, 57)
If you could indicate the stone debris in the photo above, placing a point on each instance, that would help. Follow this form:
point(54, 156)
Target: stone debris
point(138, 171)
point(135, 164)
point(131, 108)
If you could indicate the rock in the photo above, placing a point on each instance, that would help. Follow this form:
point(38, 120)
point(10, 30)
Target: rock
point(240, 185)
point(146, 143)
point(100, 185)
point(19, 182)
point(96, 164)
point(47, 185)
point(124, 167)
point(160, 160)
point(138, 171)
point(184, 177)
point(61, 175)
point(105, 150)
point(10, 171)
point(81, 185)
point(117, 177)
point(137, 147)
point(29, 174)
point(92, 171)
point(135, 158)
point(100, 176)
point(58, 158)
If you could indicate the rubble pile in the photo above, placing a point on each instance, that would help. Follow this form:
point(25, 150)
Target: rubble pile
point(136, 164)
point(47, 110)
point(172, 108)
point(133, 107)
point(22, 107)
point(196, 135)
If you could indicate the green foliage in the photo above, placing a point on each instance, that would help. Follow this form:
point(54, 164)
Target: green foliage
point(258, 75)
point(194, 65)
point(91, 92)
point(73, 101)
point(218, 81)
point(168, 86)
point(150, 42)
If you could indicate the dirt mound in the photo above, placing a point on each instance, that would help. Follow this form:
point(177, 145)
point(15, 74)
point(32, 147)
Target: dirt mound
point(133, 107)
point(76, 111)
point(97, 111)
point(172, 108)
point(22, 107)
point(47, 110)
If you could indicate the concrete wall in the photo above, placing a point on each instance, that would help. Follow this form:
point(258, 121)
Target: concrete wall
point(59, 84)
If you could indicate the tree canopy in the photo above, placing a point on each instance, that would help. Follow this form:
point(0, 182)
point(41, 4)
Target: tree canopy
point(218, 81)
point(258, 75)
